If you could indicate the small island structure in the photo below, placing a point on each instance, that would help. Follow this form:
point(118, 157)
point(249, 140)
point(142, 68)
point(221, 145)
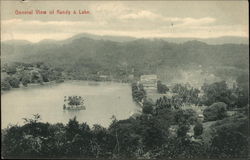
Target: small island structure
point(73, 103)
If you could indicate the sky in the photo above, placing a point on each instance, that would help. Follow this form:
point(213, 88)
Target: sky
point(141, 19)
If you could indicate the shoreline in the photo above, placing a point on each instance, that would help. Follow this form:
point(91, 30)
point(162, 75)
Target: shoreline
point(32, 85)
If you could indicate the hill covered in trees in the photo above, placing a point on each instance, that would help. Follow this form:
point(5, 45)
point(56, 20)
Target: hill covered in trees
point(81, 55)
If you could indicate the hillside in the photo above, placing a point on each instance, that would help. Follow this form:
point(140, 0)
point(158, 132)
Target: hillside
point(140, 56)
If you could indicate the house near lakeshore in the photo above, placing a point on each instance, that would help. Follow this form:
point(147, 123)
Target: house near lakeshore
point(149, 82)
point(103, 77)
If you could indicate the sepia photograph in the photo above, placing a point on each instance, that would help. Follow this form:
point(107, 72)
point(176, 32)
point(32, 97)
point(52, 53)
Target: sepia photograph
point(125, 79)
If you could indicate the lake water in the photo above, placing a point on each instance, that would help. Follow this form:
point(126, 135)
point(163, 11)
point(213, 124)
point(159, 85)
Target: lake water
point(102, 100)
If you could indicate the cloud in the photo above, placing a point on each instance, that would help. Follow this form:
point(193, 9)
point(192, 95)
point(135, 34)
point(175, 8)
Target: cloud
point(11, 21)
point(42, 23)
point(35, 26)
point(142, 14)
point(148, 15)
point(197, 22)
point(109, 11)
point(139, 23)
point(35, 37)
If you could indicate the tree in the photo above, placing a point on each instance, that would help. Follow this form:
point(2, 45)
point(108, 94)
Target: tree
point(183, 148)
point(230, 137)
point(13, 81)
point(187, 116)
point(78, 138)
point(5, 85)
point(153, 134)
point(72, 129)
point(138, 93)
point(75, 100)
point(217, 92)
point(102, 142)
point(242, 90)
point(25, 80)
point(147, 107)
point(182, 130)
point(27, 140)
point(45, 75)
point(36, 77)
point(163, 102)
point(33, 120)
point(186, 93)
point(198, 129)
point(178, 88)
point(11, 69)
point(125, 136)
point(161, 88)
point(228, 143)
point(216, 111)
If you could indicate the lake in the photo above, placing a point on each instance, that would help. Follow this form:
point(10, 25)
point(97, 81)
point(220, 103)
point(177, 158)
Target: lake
point(102, 100)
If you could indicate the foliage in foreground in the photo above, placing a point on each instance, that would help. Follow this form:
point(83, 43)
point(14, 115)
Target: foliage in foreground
point(147, 136)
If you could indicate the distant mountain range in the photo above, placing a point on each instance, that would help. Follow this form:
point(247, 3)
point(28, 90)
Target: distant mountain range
point(212, 41)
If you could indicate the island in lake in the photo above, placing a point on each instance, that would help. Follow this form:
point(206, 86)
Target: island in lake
point(73, 103)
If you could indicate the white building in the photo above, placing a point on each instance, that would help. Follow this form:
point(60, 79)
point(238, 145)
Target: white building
point(149, 82)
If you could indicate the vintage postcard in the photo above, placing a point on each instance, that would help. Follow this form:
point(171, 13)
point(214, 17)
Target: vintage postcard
point(124, 79)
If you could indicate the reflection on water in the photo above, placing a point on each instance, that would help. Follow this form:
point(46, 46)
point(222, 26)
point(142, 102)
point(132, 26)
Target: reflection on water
point(101, 101)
